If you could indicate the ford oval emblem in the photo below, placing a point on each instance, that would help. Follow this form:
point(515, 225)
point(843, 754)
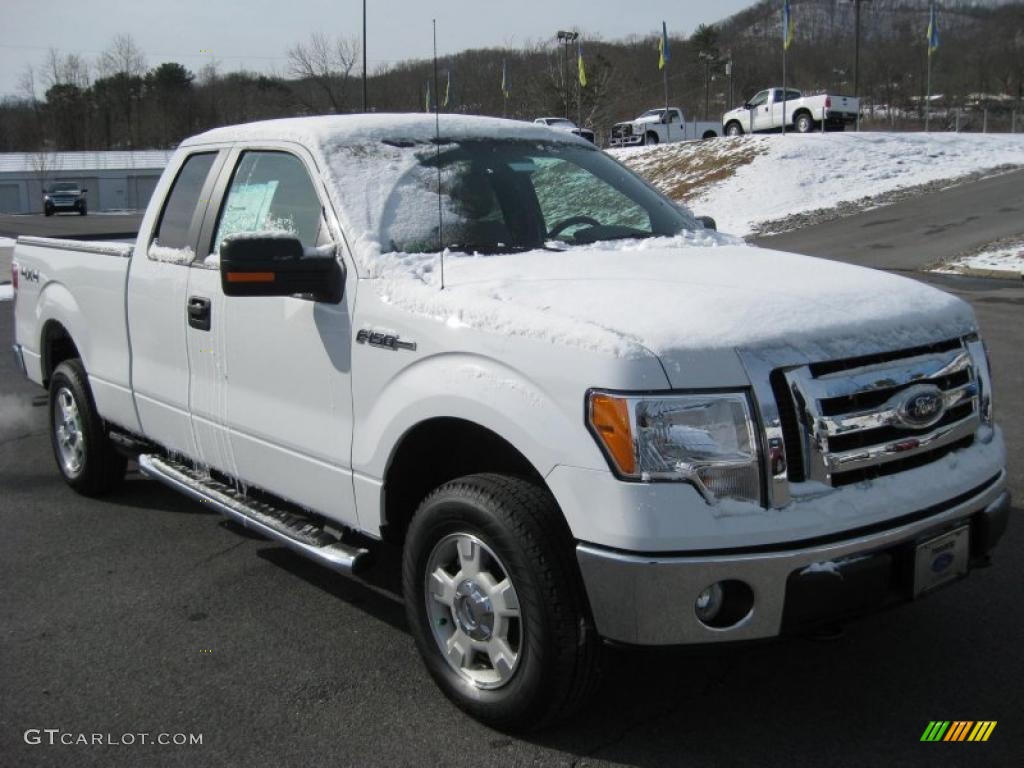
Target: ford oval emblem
point(920, 406)
point(942, 562)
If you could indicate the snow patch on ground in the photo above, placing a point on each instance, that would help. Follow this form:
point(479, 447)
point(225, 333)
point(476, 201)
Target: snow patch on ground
point(792, 174)
point(6, 292)
point(1007, 256)
point(7, 242)
point(16, 415)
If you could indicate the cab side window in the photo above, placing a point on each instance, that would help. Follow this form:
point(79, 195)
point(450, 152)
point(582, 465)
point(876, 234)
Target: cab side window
point(271, 192)
point(173, 235)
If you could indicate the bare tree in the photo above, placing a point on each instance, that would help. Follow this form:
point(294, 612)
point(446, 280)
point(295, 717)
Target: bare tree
point(326, 64)
point(70, 69)
point(123, 56)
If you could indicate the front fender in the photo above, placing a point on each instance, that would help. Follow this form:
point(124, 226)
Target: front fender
point(482, 390)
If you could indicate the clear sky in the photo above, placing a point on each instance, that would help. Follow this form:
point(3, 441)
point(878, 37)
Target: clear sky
point(255, 34)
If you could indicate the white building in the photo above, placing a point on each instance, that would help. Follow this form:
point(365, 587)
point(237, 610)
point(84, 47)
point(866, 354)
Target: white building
point(117, 180)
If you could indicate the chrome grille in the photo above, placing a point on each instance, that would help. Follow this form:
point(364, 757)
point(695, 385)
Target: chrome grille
point(866, 417)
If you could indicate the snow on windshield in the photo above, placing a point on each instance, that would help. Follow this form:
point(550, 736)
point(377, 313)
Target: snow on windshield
point(495, 196)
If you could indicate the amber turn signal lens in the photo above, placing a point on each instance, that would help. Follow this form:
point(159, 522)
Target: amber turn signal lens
point(609, 416)
point(251, 277)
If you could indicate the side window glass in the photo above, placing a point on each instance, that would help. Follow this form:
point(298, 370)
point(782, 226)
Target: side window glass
point(172, 239)
point(270, 192)
point(759, 99)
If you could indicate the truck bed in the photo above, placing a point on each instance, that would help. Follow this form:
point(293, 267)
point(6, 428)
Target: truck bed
point(76, 288)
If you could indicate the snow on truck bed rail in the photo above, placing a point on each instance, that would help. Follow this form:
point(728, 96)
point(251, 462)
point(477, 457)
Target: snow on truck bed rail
point(746, 181)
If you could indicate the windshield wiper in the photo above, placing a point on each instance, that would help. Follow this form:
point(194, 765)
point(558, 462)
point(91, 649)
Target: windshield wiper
point(494, 248)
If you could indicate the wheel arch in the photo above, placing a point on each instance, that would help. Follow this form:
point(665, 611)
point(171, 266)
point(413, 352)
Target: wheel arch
point(55, 346)
point(436, 450)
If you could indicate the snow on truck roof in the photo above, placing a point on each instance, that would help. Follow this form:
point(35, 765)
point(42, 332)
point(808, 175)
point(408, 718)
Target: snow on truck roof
point(331, 130)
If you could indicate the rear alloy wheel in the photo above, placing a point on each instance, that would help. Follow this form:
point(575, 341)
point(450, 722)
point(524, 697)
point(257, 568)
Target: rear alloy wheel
point(495, 601)
point(804, 124)
point(85, 456)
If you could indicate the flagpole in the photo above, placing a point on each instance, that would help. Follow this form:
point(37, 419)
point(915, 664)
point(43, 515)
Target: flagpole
point(784, 86)
point(664, 78)
point(928, 94)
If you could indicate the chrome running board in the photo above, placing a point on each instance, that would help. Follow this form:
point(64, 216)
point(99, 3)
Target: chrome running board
point(298, 532)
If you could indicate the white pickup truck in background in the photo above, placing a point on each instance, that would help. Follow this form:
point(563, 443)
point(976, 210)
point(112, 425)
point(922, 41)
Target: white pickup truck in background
point(652, 127)
point(581, 415)
point(567, 125)
point(764, 112)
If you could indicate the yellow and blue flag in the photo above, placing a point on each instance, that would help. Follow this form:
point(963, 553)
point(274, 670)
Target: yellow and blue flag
point(788, 26)
point(933, 32)
point(427, 106)
point(447, 90)
point(582, 69)
point(663, 54)
point(505, 85)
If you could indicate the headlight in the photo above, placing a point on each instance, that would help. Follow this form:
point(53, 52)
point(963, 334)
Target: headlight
point(46, 198)
point(704, 439)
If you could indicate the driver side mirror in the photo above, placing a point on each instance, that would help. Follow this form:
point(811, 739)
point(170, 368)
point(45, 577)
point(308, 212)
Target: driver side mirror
point(708, 223)
point(278, 266)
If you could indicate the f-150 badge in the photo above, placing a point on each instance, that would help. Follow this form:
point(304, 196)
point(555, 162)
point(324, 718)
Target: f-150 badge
point(383, 340)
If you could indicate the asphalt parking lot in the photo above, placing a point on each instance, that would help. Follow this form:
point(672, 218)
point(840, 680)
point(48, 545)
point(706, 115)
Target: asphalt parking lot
point(144, 613)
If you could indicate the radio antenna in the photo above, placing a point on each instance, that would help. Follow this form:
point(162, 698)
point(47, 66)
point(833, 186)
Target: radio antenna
point(437, 157)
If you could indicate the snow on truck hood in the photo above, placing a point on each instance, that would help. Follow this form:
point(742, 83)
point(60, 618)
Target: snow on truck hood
point(676, 296)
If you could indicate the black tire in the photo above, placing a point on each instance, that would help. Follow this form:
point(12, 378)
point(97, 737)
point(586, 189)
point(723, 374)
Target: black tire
point(82, 211)
point(651, 138)
point(100, 468)
point(804, 123)
point(557, 663)
point(48, 211)
point(734, 129)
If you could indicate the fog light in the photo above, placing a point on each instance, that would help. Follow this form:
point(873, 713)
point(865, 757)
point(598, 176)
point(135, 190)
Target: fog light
point(709, 603)
point(724, 604)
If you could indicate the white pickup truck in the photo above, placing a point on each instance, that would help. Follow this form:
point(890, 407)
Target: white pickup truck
point(653, 127)
point(583, 416)
point(803, 113)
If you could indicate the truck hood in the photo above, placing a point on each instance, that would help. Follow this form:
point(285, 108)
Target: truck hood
point(683, 299)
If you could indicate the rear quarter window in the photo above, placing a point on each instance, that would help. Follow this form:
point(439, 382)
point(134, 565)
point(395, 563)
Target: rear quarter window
point(174, 230)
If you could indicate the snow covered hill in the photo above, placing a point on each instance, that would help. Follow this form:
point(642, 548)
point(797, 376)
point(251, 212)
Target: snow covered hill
point(750, 181)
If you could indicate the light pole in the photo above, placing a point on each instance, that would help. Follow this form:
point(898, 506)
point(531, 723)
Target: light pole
point(856, 46)
point(728, 71)
point(364, 55)
point(707, 58)
point(567, 38)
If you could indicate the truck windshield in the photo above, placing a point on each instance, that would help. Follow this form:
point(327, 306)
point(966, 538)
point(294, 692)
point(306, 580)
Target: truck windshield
point(64, 188)
point(502, 195)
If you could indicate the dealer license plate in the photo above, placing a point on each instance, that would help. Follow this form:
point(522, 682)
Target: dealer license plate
point(942, 559)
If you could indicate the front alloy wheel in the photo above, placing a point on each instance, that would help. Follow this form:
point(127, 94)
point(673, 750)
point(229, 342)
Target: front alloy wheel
point(474, 610)
point(495, 602)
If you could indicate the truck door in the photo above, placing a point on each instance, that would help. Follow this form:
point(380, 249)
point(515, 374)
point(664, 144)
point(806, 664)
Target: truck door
point(270, 377)
point(760, 118)
point(157, 283)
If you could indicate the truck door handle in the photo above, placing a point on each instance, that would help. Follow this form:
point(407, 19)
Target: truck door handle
point(198, 309)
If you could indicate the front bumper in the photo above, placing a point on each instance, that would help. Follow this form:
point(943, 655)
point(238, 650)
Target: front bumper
point(626, 141)
point(649, 599)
